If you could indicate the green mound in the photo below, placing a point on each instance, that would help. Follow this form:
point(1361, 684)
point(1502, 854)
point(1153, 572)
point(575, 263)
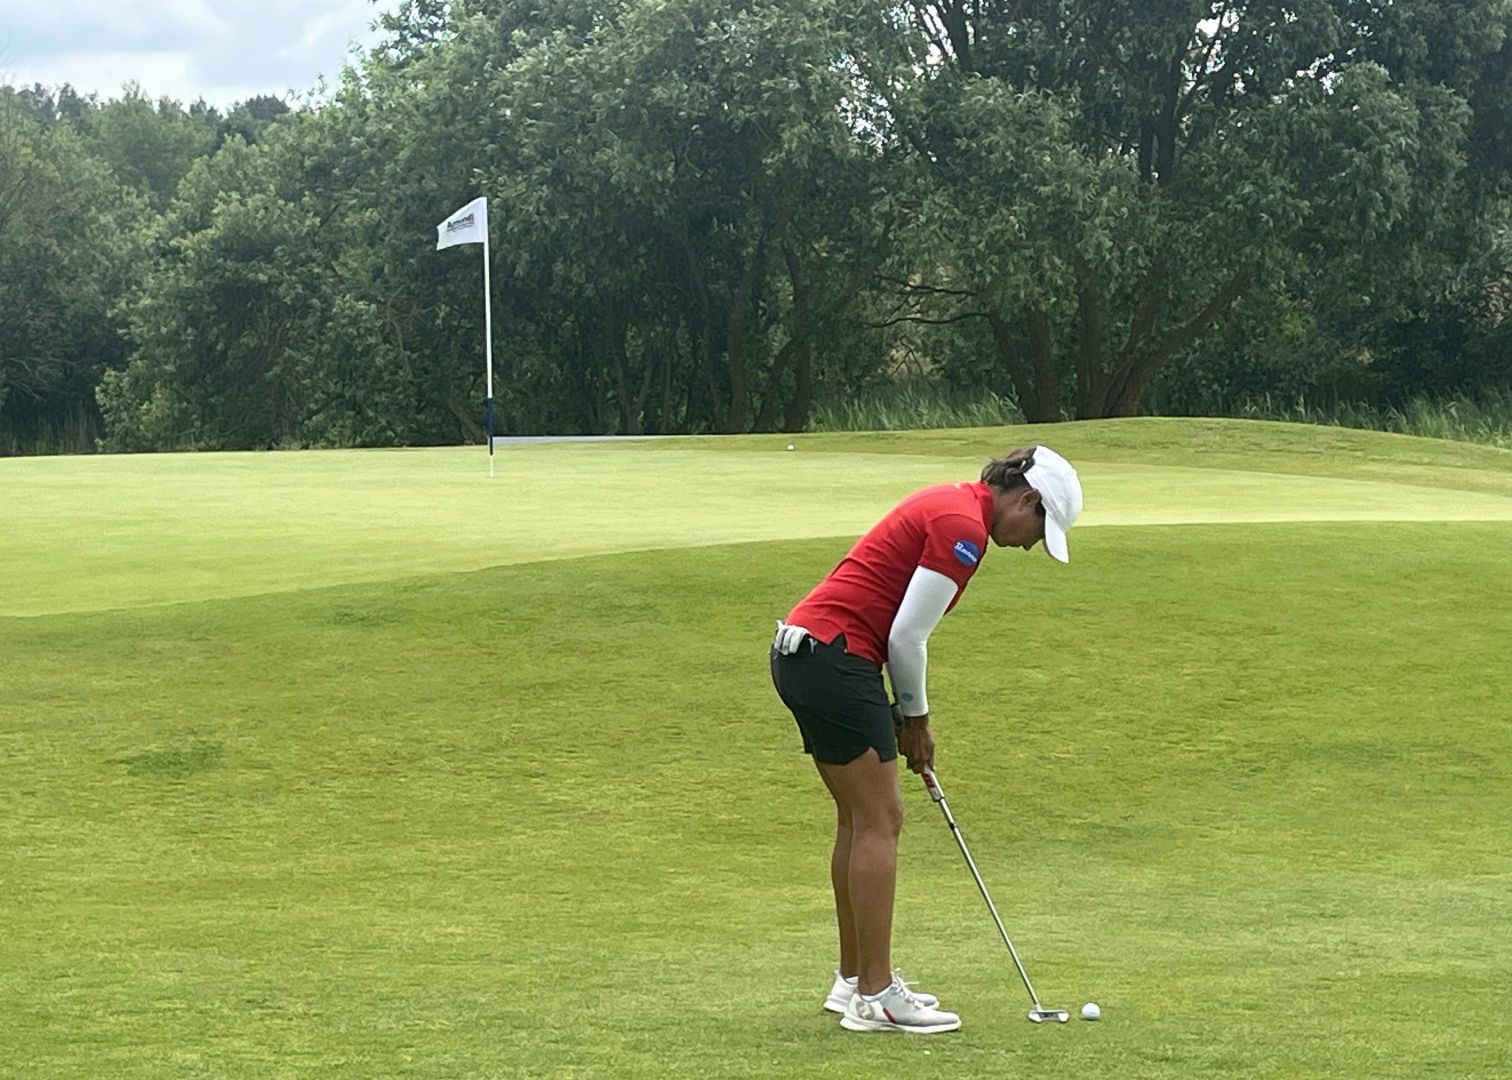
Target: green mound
point(96, 533)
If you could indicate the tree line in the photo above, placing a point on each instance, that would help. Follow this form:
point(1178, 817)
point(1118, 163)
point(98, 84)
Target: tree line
point(708, 215)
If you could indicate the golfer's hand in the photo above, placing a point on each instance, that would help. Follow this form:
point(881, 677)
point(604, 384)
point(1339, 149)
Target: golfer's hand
point(916, 742)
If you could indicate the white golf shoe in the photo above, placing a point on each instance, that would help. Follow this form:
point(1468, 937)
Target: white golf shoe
point(896, 1009)
point(844, 989)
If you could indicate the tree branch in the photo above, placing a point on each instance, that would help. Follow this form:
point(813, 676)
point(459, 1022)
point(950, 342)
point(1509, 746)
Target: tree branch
point(1136, 376)
point(929, 26)
point(1143, 323)
point(933, 290)
point(922, 321)
point(1183, 336)
point(1023, 381)
point(1199, 78)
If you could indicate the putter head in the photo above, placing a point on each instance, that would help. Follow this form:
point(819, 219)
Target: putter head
point(1039, 1016)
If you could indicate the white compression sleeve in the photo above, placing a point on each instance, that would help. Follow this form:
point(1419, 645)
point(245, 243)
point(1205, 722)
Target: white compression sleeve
point(924, 603)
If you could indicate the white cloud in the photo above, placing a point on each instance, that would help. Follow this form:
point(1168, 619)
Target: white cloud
point(84, 25)
point(194, 13)
point(330, 27)
point(160, 75)
point(221, 50)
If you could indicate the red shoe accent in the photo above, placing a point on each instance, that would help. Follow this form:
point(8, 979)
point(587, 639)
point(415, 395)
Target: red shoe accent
point(889, 1015)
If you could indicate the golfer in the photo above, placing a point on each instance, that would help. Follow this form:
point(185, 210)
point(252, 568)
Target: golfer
point(879, 607)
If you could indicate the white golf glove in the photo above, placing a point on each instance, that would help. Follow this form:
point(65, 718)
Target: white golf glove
point(788, 638)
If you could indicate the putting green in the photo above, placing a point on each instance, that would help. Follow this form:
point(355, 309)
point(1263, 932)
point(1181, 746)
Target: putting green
point(97, 533)
point(1246, 784)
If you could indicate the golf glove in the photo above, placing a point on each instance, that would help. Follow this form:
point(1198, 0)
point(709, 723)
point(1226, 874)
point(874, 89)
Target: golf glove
point(788, 638)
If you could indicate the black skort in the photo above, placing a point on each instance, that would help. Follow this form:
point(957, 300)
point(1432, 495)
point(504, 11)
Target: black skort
point(838, 700)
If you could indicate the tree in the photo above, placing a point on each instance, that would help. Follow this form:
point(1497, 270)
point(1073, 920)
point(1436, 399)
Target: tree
point(249, 119)
point(150, 147)
point(49, 106)
point(684, 208)
point(1107, 180)
point(254, 329)
point(69, 238)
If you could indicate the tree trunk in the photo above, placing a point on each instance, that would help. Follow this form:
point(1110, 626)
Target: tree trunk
point(1089, 375)
point(1046, 384)
point(1139, 374)
point(1168, 130)
point(738, 340)
point(628, 404)
point(673, 355)
point(802, 401)
point(953, 16)
point(469, 425)
point(800, 344)
point(658, 386)
point(703, 396)
point(1008, 353)
point(1106, 384)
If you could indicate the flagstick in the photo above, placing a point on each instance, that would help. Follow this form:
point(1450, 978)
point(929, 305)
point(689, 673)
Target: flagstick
point(488, 351)
point(463, 227)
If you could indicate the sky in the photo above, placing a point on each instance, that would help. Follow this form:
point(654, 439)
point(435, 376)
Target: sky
point(222, 50)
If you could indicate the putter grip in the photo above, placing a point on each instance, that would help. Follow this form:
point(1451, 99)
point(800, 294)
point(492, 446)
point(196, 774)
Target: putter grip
point(933, 785)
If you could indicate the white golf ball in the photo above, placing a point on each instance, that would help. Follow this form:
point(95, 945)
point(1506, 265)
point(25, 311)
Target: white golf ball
point(1090, 1011)
point(790, 446)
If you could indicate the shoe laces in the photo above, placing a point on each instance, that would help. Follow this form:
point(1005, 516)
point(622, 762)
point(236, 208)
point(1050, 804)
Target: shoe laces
point(903, 991)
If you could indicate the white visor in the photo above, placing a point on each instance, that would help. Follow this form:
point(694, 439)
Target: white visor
point(1060, 494)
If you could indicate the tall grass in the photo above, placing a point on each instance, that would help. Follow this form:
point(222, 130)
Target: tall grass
point(921, 403)
point(75, 435)
point(1485, 419)
point(913, 404)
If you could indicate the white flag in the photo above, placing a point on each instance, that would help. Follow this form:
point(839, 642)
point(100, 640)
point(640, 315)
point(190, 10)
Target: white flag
point(468, 225)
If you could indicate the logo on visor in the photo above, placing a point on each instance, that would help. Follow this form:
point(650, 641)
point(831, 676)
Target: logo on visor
point(968, 552)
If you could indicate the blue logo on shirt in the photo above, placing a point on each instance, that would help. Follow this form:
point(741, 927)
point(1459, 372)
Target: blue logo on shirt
point(968, 552)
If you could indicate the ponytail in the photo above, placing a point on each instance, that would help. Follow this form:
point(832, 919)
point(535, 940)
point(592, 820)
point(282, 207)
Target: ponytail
point(1007, 473)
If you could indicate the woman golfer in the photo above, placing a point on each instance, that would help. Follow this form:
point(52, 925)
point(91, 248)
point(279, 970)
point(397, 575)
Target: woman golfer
point(878, 607)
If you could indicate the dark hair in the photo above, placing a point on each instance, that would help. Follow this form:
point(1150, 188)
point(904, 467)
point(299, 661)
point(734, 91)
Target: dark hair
point(1007, 473)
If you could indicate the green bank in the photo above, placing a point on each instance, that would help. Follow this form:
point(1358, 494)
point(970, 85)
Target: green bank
point(118, 531)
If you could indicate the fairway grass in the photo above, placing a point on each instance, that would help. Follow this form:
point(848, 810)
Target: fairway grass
point(1242, 779)
point(85, 534)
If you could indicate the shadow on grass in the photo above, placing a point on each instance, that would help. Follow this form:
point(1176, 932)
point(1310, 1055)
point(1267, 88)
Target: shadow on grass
point(177, 762)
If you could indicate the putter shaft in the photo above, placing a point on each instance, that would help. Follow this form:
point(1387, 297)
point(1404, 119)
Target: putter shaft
point(1039, 1013)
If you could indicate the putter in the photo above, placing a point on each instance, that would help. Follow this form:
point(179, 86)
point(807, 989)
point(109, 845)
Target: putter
point(1039, 1014)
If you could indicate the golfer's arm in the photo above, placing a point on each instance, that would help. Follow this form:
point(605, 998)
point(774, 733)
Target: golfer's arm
point(924, 603)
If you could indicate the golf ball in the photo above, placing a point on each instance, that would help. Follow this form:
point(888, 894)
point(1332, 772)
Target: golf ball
point(790, 446)
point(1090, 1011)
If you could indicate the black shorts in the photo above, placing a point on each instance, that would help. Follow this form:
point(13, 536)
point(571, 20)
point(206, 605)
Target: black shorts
point(838, 700)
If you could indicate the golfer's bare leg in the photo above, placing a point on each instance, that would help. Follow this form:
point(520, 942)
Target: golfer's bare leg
point(868, 788)
point(840, 881)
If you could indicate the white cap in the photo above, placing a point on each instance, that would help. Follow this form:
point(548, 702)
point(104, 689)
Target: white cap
point(1060, 494)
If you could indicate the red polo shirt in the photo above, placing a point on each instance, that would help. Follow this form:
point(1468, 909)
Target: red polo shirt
point(943, 528)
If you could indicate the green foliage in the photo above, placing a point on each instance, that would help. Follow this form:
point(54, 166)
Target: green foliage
point(923, 403)
point(70, 241)
point(710, 217)
point(911, 404)
point(254, 328)
point(149, 147)
point(249, 119)
point(1107, 182)
point(1485, 419)
point(48, 106)
point(683, 208)
point(79, 183)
